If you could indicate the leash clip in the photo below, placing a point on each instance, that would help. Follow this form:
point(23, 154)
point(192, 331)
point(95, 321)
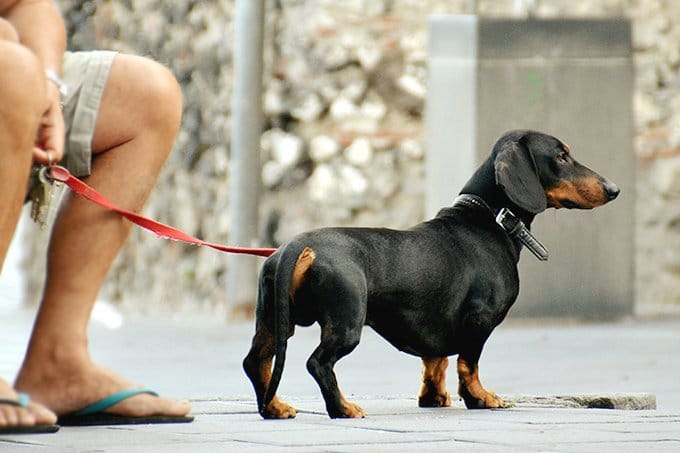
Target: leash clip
point(516, 229)
point(57, 173)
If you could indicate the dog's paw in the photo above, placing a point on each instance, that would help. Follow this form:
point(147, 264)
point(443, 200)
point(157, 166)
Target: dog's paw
point(278, 409)
point(434, 400)
point(493, 401)
point(487, 400)
point(348, 410)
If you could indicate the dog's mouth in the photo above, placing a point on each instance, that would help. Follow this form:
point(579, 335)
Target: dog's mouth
point(578, 194)
point(568, 204)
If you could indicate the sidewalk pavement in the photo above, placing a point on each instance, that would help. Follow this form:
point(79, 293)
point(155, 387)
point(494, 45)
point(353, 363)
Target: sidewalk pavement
point(200, 359)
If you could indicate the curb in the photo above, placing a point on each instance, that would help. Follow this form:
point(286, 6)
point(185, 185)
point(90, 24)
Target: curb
point(619, 401)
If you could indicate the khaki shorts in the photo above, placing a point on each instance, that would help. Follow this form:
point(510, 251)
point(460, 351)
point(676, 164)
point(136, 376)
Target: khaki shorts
point(86, 74)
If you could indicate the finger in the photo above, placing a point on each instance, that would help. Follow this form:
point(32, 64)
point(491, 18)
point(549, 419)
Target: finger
point(40, 156)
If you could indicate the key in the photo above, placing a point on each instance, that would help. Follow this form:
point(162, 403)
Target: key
point(43, 203)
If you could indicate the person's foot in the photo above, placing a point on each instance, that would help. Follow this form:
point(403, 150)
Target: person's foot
point(11, 415)
point(67, 389)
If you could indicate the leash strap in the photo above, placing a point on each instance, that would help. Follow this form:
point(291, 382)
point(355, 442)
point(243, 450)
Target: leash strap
point(161, 230)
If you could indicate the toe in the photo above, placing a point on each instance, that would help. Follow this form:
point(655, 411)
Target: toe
point(42, 415)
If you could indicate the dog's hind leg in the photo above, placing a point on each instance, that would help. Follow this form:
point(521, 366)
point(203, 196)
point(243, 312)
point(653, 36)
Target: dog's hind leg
point(335, 344)
point(258, 362)
point(258, 367)
point(341, 321)
point(433, 391)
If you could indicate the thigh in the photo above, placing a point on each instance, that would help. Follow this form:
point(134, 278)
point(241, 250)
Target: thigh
point(7, 31)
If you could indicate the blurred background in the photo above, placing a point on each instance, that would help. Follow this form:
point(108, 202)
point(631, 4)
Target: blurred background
point(344, 137)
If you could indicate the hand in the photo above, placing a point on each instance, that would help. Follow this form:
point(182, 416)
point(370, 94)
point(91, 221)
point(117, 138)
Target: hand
point(49, 142)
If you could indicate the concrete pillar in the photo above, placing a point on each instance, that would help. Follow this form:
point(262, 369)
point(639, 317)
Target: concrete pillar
point(247, 120)
point(571, 78)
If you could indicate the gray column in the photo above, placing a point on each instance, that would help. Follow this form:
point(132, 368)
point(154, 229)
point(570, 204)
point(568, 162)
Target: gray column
point(245, 152)
point(571, 78)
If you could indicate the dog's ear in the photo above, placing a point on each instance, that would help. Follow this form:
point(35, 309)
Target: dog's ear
point(517, 175)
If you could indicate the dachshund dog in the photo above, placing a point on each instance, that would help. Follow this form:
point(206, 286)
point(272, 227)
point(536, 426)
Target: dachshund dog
point(435, 290)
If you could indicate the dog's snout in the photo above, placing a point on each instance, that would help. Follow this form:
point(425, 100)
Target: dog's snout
point(611, 190)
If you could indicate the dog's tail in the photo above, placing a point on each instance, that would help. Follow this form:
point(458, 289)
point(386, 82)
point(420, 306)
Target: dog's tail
point(289, 276)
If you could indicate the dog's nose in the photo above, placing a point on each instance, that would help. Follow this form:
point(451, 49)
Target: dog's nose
point(612, 190)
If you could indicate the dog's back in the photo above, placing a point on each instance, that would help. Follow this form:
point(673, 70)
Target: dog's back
point(413, 283)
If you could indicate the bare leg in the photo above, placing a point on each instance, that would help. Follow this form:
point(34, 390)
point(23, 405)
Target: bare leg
point(136, 127)
point(22, 101)
point(22, 96)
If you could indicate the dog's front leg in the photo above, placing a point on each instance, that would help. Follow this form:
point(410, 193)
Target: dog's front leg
point(433, 391)
point(472, 391)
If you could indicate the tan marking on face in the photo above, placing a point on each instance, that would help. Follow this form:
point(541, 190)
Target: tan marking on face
point(585, 193)
point(566, 148)
point(433, 391)
point(302, 265)
point(468, 377)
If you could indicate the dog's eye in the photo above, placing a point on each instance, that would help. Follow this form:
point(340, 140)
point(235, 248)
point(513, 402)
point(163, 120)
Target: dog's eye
point(563, 158)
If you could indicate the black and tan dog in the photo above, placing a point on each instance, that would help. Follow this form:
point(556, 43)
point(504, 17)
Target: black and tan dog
point(437, 289)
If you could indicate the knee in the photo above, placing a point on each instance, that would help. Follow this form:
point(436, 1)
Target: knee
point(7, 31)
point(162, 96)
point(313, 366)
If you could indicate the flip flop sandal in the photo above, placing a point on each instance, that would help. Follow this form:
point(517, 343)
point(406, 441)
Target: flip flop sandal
point(95, 415)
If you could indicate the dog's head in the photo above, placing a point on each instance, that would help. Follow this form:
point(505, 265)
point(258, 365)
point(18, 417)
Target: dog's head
point(537, 171)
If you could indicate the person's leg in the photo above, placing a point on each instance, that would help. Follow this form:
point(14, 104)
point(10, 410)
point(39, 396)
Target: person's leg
point(22, 96)
point(22, 101)
point(137, 123)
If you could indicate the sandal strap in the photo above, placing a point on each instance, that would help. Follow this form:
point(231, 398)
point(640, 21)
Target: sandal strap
point(114, 399)
point(22, 400)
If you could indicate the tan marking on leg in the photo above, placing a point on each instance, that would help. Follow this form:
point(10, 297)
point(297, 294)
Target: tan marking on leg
point(433, 391)
point(302, 265)
point(276, 408)
point(266, 371)
point(472, 391)
point(351, 410)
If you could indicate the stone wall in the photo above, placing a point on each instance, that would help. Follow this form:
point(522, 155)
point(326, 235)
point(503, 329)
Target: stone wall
point(343, 142)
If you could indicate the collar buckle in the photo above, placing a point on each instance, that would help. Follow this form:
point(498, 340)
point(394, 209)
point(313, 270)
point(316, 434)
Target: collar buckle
point(511, 224)
point(516, 229)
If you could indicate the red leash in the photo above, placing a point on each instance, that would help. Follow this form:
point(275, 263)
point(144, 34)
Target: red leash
point(61, 174)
